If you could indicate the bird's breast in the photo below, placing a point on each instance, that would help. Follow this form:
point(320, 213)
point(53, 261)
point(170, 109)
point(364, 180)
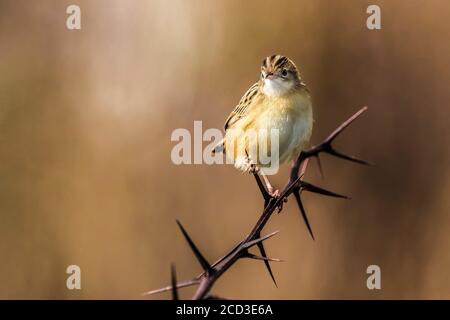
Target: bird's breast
point(291, 117)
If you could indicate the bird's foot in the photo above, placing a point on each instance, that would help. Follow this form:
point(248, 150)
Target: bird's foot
point(275, 194)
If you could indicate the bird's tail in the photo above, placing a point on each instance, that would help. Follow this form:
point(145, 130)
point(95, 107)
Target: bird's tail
point(220, 147)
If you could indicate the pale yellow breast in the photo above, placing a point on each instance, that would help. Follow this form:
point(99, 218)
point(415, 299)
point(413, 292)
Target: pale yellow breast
point(290, 115)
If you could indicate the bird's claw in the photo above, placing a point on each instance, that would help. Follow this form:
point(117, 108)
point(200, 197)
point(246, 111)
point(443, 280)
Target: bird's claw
point(275, 194)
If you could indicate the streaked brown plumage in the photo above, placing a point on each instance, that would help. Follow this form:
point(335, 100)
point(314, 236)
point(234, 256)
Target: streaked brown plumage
point(279, 100)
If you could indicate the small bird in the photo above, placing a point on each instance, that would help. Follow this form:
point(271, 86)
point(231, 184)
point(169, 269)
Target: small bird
point(279, 100)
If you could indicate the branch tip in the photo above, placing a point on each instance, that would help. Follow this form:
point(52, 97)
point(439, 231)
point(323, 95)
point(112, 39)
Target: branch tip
point(344, 125)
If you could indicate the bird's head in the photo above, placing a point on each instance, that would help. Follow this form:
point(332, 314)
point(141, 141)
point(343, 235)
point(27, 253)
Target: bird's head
point(279, 75)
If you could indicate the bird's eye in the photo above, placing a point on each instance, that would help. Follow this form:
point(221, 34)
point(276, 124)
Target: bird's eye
point(284, 73)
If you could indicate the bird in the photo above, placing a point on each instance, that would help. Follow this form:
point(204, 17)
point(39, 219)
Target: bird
point(279, 102)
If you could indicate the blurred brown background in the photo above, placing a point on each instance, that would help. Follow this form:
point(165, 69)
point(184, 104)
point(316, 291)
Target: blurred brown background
point(85, 124)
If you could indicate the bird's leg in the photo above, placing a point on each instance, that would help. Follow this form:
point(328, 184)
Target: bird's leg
point(253, 169)
point(274, 193)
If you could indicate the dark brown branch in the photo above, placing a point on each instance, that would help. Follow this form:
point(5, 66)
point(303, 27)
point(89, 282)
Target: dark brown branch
point(295, 186)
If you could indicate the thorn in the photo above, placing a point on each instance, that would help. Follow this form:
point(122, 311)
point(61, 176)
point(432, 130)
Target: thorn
point(168, 288)
point(256, 257)
point(173, 278)
point(203, 262)
point(319, 164)
point(312, 188)
point(303, 212)
point(337, 154)
point(266, 262)
point(344, 125)
point(259, 240)
point(303, 168)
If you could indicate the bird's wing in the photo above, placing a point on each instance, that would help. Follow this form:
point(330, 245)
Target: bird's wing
point(241, 110)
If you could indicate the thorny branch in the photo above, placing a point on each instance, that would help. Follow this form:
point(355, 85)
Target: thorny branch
point(295, 186)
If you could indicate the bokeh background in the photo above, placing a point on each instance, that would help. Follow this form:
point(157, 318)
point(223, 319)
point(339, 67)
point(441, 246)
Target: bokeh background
point(86, 118)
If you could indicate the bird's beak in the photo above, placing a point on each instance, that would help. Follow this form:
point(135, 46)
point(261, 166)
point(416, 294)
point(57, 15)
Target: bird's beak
point(270, 76)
